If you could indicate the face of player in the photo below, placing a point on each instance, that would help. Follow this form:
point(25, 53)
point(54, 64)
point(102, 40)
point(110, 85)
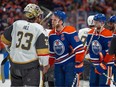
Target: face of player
point(98, 24)
point(56, 22)
point(112, 26)
point(38, 19)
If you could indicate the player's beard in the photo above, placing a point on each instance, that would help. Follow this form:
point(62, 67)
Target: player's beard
point(112, 28)
point(57, 25)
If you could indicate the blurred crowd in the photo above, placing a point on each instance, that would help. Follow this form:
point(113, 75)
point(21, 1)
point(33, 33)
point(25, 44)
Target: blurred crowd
point(77, 10)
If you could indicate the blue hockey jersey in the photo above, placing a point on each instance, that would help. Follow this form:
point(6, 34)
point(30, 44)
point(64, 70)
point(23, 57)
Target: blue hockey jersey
point(99, 45)
point(65, 46)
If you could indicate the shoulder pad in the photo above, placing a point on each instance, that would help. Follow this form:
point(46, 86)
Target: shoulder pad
point(69, 29)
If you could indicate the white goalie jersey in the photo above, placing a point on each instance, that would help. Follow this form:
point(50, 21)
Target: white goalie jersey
point(26, 40)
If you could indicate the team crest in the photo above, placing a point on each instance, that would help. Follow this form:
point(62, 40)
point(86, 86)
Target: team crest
point(58, 47)
point(96, 47)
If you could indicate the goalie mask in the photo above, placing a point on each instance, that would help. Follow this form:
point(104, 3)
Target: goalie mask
point(32, 10)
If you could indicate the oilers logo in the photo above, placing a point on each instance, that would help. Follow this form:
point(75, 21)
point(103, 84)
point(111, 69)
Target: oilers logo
point(96, 47)
point(58, 47)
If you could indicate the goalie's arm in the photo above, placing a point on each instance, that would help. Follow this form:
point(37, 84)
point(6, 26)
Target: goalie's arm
point(6, 36)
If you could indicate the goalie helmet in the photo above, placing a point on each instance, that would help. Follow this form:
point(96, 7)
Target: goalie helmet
point(112, 19)
point(60, 14)
point(32, 10)
point(100, 17)
point(90, 20)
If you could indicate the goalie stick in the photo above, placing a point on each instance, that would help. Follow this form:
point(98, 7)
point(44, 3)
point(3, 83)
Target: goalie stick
point(2, 68)
point(47, 16)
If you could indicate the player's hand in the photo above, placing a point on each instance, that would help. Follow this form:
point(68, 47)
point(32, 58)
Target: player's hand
point(79, 68)
point(45, 69)
point(100, 68)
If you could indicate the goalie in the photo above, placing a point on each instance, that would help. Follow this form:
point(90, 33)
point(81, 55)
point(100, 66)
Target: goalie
point(27, 43)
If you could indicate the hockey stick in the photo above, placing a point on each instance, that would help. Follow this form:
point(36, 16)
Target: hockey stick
point(2, 69)
point(94, 65)
point(3, 63)
point(90, 42)
point(47, 16)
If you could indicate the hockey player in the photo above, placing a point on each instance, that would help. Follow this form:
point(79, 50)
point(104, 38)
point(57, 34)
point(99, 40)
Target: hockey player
point(66, 51)
point(27, 44)
point(83, 33)
point(98, 41)
point(112, 24)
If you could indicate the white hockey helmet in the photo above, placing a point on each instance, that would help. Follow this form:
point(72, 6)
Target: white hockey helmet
point(32, 10)
point(90, 20)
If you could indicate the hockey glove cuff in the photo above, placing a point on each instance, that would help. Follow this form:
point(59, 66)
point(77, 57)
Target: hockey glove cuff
point(100, 68)
point(79, 68)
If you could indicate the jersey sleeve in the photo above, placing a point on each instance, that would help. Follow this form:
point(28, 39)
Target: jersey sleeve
point(6, 36)
point(42, 48)
point(76, 45)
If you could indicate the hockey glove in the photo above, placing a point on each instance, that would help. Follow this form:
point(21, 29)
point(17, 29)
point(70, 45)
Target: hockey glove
point(79, 68)
point(100, 68)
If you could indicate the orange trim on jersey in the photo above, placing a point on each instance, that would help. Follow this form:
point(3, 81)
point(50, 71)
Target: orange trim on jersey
point(52, 32)
point(79, 57)
point(79, 65)
point(5, 41)
point(104, 32)
point(108, 58)
point(69, 29)
point(91, 31)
